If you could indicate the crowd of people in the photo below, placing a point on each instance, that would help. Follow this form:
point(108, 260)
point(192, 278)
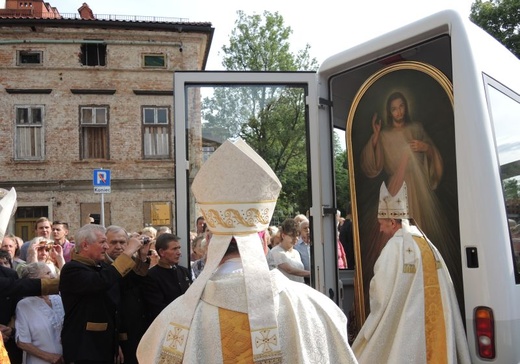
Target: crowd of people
point(287, 247)
point(113, 284)
point(112, 296)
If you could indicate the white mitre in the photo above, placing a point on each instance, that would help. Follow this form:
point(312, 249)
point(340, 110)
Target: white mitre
point(7, 209)
point(396, 207)
point(393, 207)
point(237, 192)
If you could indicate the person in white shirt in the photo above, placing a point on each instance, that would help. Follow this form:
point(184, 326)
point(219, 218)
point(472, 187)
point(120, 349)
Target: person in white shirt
point(285, 257)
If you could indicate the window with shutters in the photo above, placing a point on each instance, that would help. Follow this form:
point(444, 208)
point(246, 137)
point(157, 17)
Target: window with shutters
point(29, 132)
point(94, 132)
point(156, 132)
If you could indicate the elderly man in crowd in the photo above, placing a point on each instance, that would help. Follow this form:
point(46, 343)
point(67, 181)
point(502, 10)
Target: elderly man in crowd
point(86, 286)
point(131, 308)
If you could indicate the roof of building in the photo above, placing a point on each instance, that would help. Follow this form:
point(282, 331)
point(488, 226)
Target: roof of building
point(126, 22)
point(104, 20)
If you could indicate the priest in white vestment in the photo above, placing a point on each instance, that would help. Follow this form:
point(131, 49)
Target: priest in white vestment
point(414, 315)
point(237, 311)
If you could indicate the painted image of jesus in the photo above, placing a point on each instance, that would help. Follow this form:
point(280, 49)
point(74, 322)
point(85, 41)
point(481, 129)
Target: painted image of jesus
point(406, 153)
point(401, 129)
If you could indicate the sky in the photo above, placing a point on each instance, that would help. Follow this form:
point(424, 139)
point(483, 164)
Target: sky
point(328, 26)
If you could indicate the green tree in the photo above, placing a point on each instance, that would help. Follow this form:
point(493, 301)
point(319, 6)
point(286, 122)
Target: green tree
point(270, 119)
point(501, 19)
point(511, 188)
point(341, 173)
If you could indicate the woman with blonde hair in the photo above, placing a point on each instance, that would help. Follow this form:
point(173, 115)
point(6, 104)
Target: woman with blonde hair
point(44, 250)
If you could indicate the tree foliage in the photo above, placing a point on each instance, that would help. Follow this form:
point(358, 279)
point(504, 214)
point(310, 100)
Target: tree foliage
point(501, 19)
point(270, 119)
point(342, 179)
point(511, 188)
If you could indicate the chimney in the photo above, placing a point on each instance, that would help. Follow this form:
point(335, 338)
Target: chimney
point(86, 13)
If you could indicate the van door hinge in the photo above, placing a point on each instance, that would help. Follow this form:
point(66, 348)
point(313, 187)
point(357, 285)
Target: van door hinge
point(327, 210)
point(324, 102)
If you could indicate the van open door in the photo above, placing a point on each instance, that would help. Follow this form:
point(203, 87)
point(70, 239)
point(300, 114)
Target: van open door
point(251, 99)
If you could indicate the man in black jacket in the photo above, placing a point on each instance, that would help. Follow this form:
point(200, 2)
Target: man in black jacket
point(168, 280)
point(89, 332)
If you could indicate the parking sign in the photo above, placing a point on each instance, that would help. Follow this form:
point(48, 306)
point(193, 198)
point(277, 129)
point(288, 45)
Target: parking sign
point(101, 181)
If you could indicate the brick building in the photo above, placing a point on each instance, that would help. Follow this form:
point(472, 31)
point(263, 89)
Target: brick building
point(81, 92)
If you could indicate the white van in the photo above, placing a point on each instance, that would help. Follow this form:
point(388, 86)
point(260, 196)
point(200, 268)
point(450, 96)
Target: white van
point(463, 88)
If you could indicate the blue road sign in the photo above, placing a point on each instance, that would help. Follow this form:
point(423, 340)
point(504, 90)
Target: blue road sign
point(101, 180)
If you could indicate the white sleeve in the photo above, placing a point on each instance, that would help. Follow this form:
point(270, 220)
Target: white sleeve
point(23, 332)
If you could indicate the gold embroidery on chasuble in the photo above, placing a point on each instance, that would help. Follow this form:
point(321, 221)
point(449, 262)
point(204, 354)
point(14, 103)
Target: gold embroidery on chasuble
point(434, 325)
point(172, 350)
point(235, 334)
point(4, 358)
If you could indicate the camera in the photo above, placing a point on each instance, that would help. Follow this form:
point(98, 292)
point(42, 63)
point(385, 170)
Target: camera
point(145, 239)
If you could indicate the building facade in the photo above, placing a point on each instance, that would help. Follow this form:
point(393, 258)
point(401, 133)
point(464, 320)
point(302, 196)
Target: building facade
point(80, 93)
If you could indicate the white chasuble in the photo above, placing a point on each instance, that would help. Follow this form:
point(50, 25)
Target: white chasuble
point(312, 328)
point(414, 315)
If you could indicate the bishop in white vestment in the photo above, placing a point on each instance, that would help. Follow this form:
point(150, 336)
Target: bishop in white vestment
point(237, 311)
point(414, 315)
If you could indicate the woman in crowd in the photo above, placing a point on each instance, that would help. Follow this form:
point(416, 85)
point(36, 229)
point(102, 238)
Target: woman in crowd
point(284, 256)
point(39, 321)
point(198, 265)
point(44, 250)
point(198, 250)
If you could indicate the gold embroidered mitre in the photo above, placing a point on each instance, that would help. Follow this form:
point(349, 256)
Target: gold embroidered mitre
point(393, 207)
point(236, 190)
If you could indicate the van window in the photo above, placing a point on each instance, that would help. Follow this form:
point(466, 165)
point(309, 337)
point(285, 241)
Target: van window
point(504, 109)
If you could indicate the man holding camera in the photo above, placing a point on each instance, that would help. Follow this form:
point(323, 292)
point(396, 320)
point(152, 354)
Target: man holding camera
point(132, 322)
point(168, 280)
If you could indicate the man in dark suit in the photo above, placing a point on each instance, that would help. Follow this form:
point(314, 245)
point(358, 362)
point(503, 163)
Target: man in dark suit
point(89, 332)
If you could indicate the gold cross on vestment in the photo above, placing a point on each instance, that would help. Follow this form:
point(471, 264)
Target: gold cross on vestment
point(266, 341)
point(176, 337)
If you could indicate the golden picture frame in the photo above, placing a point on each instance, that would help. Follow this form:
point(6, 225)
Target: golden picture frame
point(421, 153)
